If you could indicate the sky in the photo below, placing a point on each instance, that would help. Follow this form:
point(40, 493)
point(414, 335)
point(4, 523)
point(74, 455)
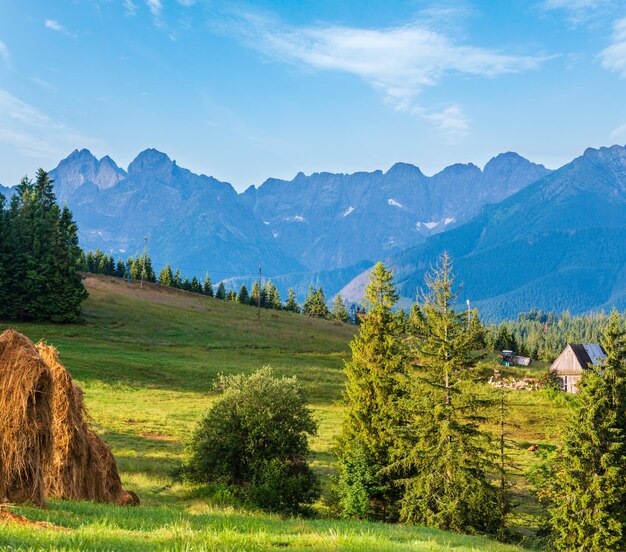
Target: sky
point(244, 91)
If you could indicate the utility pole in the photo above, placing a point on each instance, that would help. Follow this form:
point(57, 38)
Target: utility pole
point(469, 314)
point(258, 313)
point(143, 268)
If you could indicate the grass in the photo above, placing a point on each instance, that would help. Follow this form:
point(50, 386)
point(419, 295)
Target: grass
point(146, 360)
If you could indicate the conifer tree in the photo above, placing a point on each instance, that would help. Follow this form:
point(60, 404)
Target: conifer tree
point(372, 395)
point(255, 294)
point(120, 269)
point(339, 311)
point(177, 282)
point(589, 494)
point(243, 296)
point(166, 278)
point(444, 458)
point(308, 302)
point(272, 297)
point(208, 288)
point(232, 295)
point(292, 304)
point(221, 291)
point(195, 286)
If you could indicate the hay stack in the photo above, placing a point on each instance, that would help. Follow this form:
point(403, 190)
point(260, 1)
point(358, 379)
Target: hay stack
point(25, 419)
point(83, 466)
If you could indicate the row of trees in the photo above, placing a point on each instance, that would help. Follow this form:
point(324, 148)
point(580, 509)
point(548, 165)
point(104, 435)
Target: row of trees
point(267, 295)
point(543, 335)
point(38, 255)
point(413, 448)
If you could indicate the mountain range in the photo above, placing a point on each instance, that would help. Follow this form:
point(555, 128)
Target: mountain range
point(558, 244)
point(521, 235)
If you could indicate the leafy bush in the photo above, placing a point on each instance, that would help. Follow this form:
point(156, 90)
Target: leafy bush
point(255, 437)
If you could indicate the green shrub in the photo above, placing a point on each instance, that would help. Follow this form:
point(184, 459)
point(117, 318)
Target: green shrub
point(255, 437)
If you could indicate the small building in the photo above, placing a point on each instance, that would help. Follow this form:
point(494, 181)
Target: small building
point(574, 359)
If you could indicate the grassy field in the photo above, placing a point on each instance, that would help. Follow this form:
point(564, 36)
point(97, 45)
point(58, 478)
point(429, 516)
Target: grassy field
point(146, 359)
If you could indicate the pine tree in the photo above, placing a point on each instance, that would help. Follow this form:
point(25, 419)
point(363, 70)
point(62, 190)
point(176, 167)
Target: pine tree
point(367, 440)
point(221, 291)
point(308, 302)
point(232, 296)
point(177, 281)
point(185, 284)
point(166, 278)
point(208, 288)
point(339, 311)
point(589, 493)
point(195, 286)
point(120, 269)
point(255, 294)
point(292, 304)
point(5, 263)
point(243, 296)
point(444, 458)
point(272, 297)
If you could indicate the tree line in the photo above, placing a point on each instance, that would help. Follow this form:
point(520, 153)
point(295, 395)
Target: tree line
point(267, 295)
point(543, 335)
point(39, 255)
point(413, 447)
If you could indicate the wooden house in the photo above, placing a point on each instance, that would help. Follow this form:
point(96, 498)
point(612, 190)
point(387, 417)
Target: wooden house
point(574, 359)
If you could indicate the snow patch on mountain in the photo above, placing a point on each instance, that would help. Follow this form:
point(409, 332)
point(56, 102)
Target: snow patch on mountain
point(348, 211)
point(394, 203)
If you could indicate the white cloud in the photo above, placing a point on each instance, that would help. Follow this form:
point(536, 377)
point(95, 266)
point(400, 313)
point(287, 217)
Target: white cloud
point(5, 54)
point(399, 61)
point(54, 25)
point(130, 8)
point(156, 7)
point(588, 12)
point(34, 134)
point(614, 57)
point(619, 132)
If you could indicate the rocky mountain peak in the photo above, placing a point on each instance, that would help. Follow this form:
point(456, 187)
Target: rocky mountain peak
point(151, 161)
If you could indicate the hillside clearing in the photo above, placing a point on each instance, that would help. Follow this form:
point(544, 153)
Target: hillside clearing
point(146, 359)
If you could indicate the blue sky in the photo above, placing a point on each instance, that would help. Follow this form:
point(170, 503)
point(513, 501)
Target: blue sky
point(246, 91)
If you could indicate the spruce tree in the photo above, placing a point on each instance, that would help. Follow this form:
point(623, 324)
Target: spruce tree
point(177, 281)
point(5, 266)
point(166, 278)
point(120, 269)
point(589, 486)
point(373, 391)
point(292, 304)
point(195, 286)
point(185, 284)
point(221, 291)
point(308, 302)
point(243, 296)
point(255, 294)
point(208, 288)
point(339, 311)
point(444, 458)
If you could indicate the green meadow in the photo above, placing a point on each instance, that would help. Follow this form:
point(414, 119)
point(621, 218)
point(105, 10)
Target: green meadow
point(146, 359)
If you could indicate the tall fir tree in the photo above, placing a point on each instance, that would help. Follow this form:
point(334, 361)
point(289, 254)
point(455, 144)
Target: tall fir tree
point(208, 288)
point(195, 286)
point(243, 297)
point(589, 484)
point(444, 458)
point(177, 282)
point(292, 304)
point(5, 264)
point(166, 278)
point(373, 391)
point(221, 291)
point(255, 294)
point(339, 311)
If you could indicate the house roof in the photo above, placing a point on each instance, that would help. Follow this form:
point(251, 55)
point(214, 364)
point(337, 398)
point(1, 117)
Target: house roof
point(590, 353)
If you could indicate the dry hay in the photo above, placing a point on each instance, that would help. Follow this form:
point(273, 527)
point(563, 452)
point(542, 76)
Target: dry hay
point(83, 466)
point(7, 517)
point(25, 419)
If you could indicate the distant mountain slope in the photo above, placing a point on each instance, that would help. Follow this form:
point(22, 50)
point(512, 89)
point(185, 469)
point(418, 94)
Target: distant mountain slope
point(336, 220)
point(193, 221)
point(560, 243)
